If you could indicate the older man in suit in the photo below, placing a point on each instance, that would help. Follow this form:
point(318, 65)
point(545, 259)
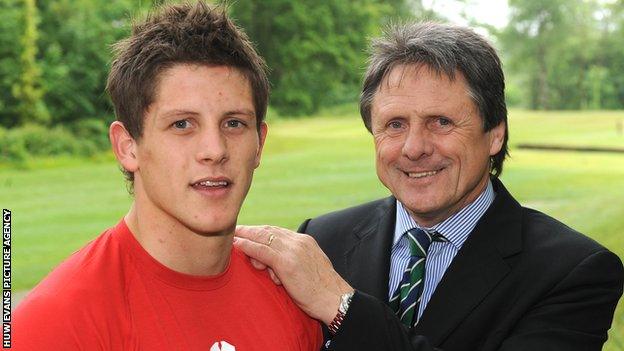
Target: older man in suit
point(451, 261)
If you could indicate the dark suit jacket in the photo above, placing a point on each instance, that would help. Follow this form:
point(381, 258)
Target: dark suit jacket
point(521, 281)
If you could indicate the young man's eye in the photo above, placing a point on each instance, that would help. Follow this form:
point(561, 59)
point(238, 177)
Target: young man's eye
point(234, 123)
point(181, 124)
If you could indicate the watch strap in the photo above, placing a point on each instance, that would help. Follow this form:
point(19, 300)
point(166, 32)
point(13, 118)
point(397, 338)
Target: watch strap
point(345, 302)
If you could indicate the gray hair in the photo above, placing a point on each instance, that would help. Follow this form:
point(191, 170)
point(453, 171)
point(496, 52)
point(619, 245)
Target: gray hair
point(445, 49)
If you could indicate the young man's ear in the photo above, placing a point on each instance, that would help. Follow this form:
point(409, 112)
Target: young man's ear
point(124, 146)
point(262, 134)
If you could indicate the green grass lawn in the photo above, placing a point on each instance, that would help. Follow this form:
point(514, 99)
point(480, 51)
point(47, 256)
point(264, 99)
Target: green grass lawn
point(314, 165)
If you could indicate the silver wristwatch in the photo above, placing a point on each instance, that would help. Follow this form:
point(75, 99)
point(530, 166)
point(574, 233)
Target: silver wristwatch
point(345, 301)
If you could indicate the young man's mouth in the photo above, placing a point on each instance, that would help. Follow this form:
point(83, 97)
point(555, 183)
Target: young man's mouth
point(212, 183)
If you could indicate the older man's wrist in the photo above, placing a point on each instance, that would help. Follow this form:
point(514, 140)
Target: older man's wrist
point(336, 306)
point(341, 313)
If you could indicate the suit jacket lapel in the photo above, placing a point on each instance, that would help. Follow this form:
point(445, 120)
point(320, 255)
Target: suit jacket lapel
point(367, 255)
point(478, 267)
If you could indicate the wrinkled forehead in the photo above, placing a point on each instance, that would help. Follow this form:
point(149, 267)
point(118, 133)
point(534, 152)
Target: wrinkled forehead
point(402, 75)
point(398, 73)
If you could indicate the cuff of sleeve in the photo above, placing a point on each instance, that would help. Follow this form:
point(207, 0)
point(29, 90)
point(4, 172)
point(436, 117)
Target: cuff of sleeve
point(370, 324)
point(362, 314)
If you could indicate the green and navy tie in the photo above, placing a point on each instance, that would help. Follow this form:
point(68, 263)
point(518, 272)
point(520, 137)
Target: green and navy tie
point(406, 297)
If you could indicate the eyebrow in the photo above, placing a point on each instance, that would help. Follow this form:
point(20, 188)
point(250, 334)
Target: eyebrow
point(175, 113)
point(243, 111)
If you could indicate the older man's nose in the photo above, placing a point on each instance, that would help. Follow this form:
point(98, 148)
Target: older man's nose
point(417, 143)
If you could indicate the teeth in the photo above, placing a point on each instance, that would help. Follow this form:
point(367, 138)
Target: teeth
point(210, 183)
point(422, 174)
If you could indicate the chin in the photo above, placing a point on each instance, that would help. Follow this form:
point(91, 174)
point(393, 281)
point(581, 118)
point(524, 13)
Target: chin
point(423, 208)
point(215, 231)
point(217, 227)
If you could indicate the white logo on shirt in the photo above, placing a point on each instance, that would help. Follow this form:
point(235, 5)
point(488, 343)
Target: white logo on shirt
point(222, 346)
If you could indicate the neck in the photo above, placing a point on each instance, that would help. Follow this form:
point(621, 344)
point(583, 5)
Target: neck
point(177, 247)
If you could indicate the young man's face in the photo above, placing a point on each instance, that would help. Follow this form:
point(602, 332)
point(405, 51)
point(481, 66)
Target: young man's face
point(199, 148)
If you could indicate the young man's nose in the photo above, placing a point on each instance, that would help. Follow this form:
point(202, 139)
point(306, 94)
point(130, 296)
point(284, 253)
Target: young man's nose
point(212, 146)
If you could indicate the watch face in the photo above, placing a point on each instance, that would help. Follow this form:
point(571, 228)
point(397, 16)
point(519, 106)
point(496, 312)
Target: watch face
point(345, 300)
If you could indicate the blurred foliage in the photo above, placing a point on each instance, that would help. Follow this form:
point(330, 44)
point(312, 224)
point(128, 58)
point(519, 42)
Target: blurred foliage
point(566, 54)
point(316, 51)
point(17, 145)
point(75, 53)
point(11, 26)
point(54, 58)
point(55, 54)
point(12, 147)
point(27, 89)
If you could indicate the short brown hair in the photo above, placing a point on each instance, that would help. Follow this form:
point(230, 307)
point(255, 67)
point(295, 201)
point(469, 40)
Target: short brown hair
point(179, 34)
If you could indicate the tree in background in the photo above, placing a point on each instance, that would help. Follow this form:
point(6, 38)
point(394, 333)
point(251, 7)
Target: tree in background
point(316, 51)
point(535, 28)
point(565, 54)
point(611, 57)
point(54, 54)
point(10, 50)
point(75, 49)
point(54, 57)
point(28, 90)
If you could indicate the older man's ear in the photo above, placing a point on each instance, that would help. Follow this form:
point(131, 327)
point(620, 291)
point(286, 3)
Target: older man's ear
point(497, 137)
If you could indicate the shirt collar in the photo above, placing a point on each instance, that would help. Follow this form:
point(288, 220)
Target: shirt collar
point(456, 228)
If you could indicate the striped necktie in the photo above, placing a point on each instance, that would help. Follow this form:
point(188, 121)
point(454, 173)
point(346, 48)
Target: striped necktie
point(406, 297)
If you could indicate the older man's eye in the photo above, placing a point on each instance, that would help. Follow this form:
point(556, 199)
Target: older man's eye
point(443, 121)
point(395, 125)
point(441, 124)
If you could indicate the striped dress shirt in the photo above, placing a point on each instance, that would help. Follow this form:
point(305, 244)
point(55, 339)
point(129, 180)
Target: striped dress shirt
point(455, 229)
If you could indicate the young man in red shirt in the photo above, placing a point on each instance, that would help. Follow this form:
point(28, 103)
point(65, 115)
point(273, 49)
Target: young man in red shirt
point(190, 96)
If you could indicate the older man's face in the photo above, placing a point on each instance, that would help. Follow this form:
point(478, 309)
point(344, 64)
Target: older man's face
point(432, 152)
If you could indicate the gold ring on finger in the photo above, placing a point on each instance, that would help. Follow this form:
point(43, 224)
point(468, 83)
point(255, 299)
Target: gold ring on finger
point(271, 237)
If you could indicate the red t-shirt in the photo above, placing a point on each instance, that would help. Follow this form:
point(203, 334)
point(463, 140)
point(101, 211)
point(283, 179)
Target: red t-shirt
point(112, 295)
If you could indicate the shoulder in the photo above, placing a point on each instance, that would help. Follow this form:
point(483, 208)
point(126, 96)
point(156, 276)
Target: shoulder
point(545, 233)
point(349, 218)
point(571, 267)
point(533, 243)
point(275, 303)
point(559, 247)
point(86, 272)
point(533, 232)
point(76, 295)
